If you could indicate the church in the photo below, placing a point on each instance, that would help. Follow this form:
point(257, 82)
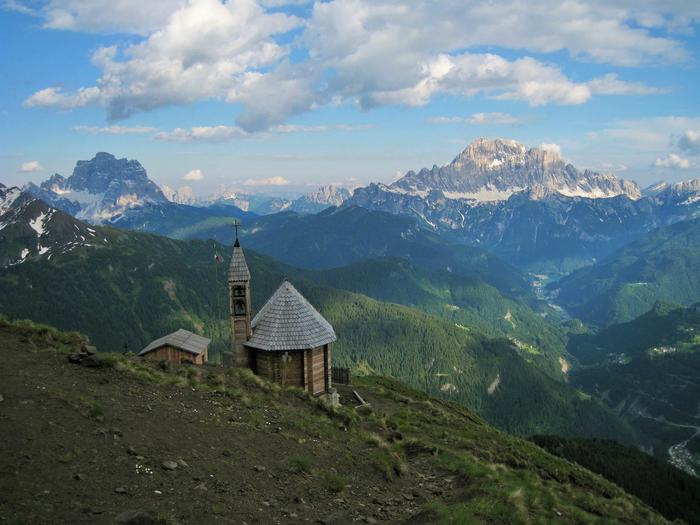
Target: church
point(288, 341)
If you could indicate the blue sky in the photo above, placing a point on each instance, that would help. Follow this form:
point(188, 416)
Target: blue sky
point(286, 95)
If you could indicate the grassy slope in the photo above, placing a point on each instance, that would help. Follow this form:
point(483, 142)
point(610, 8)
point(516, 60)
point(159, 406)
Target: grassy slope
point(140, 287)
point(461, 300)
point(262, 454)
point(664, 264)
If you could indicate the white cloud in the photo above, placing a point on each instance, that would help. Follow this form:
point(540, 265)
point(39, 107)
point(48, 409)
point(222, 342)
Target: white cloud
point(270, 181)
point(194, 175)
point(611, 84)
point(672, 161)
point(321, 128)
point(552, 148)
point(478, 119)
point(364, 52)
point(30, 166)
point(114, 130)
point(54, 97)
point(202, 52)
point(609, 166)
point(284, 3)
point(94, 16)
point(202, 134)
point(690, 141)
point(226, 133)
point(654, 133)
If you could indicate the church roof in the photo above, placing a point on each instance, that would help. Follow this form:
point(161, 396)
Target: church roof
point(238, 269)
point(182, 339)
point(289, 322)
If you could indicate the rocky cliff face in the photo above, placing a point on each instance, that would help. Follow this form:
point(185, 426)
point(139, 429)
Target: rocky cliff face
point(321, 199)
point(493, 170)
point(182, 195)
point(8, 197)
point(100, 189)
point(30, 228)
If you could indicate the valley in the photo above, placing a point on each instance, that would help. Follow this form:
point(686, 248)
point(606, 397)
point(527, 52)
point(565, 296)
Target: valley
point(148, 285)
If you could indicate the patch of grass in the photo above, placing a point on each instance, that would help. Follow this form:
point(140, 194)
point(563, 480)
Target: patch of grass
point(299, 465)
point(96, 410)
point(389, 463)
point(334, 483)
point(256, 419)
point(42, 333)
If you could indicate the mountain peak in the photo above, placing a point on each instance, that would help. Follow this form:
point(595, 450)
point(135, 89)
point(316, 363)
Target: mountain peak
point(495, 169)
point(100, 188)
point(498, 154)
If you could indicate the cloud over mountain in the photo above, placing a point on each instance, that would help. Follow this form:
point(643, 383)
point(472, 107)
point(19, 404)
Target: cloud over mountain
point(366, 53)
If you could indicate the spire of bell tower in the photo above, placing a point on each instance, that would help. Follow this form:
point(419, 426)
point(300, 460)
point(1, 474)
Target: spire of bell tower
point(239, 306)
point(235, 227)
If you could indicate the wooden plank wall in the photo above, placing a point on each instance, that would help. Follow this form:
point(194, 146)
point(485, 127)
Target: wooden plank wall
point(175, 355)
point(270, 365)
point(317, 379)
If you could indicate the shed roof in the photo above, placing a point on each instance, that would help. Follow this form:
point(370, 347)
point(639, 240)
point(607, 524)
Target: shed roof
point(289, 322)
point(182, 339)
point(238, 269)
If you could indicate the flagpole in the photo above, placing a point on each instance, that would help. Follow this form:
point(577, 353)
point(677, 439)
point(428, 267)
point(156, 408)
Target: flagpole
point(216, 288)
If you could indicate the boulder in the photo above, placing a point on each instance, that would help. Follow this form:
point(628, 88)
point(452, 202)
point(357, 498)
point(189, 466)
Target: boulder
point(93, 361)
point(169, 465)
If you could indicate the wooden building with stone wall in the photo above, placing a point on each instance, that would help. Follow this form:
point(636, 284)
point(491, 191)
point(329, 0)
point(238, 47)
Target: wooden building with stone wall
point(288, 341)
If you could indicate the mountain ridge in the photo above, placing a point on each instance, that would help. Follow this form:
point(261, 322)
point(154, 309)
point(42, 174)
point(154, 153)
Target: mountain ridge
point(494, 169)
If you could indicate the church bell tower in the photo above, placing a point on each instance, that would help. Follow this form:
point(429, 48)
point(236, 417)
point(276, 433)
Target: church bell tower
point(239, 308)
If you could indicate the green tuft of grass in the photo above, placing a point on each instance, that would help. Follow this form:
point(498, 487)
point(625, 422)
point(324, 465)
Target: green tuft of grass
point(299, 465)
point(334, 483)
point(96, 410)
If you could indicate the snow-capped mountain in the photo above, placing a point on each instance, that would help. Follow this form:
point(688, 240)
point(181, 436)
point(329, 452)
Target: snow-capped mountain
point(30, 228)
point(686, 193)
point(493, 170)
point(8, 197)
point(324, 197)
point(529, 206)
point(100, 189)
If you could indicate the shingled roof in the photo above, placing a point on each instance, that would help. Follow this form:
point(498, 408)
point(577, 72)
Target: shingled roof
point(289, 322)
point(238, 269)
point(182, 339)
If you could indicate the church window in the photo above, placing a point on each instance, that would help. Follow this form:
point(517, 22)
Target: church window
point(239, 308)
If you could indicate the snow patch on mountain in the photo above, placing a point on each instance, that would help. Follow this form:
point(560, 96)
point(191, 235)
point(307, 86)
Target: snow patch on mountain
point(8, 197)
point(100, 189)
point(38, 224)
point(31, 228)
point(494, 170)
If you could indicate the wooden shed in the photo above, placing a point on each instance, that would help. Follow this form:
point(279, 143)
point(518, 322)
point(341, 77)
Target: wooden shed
point(291, 342)
point(181, 346)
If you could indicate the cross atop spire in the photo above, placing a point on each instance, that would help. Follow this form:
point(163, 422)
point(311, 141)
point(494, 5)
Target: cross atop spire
point(235, 227)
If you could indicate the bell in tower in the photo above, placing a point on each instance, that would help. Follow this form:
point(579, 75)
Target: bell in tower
point(239, 308)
